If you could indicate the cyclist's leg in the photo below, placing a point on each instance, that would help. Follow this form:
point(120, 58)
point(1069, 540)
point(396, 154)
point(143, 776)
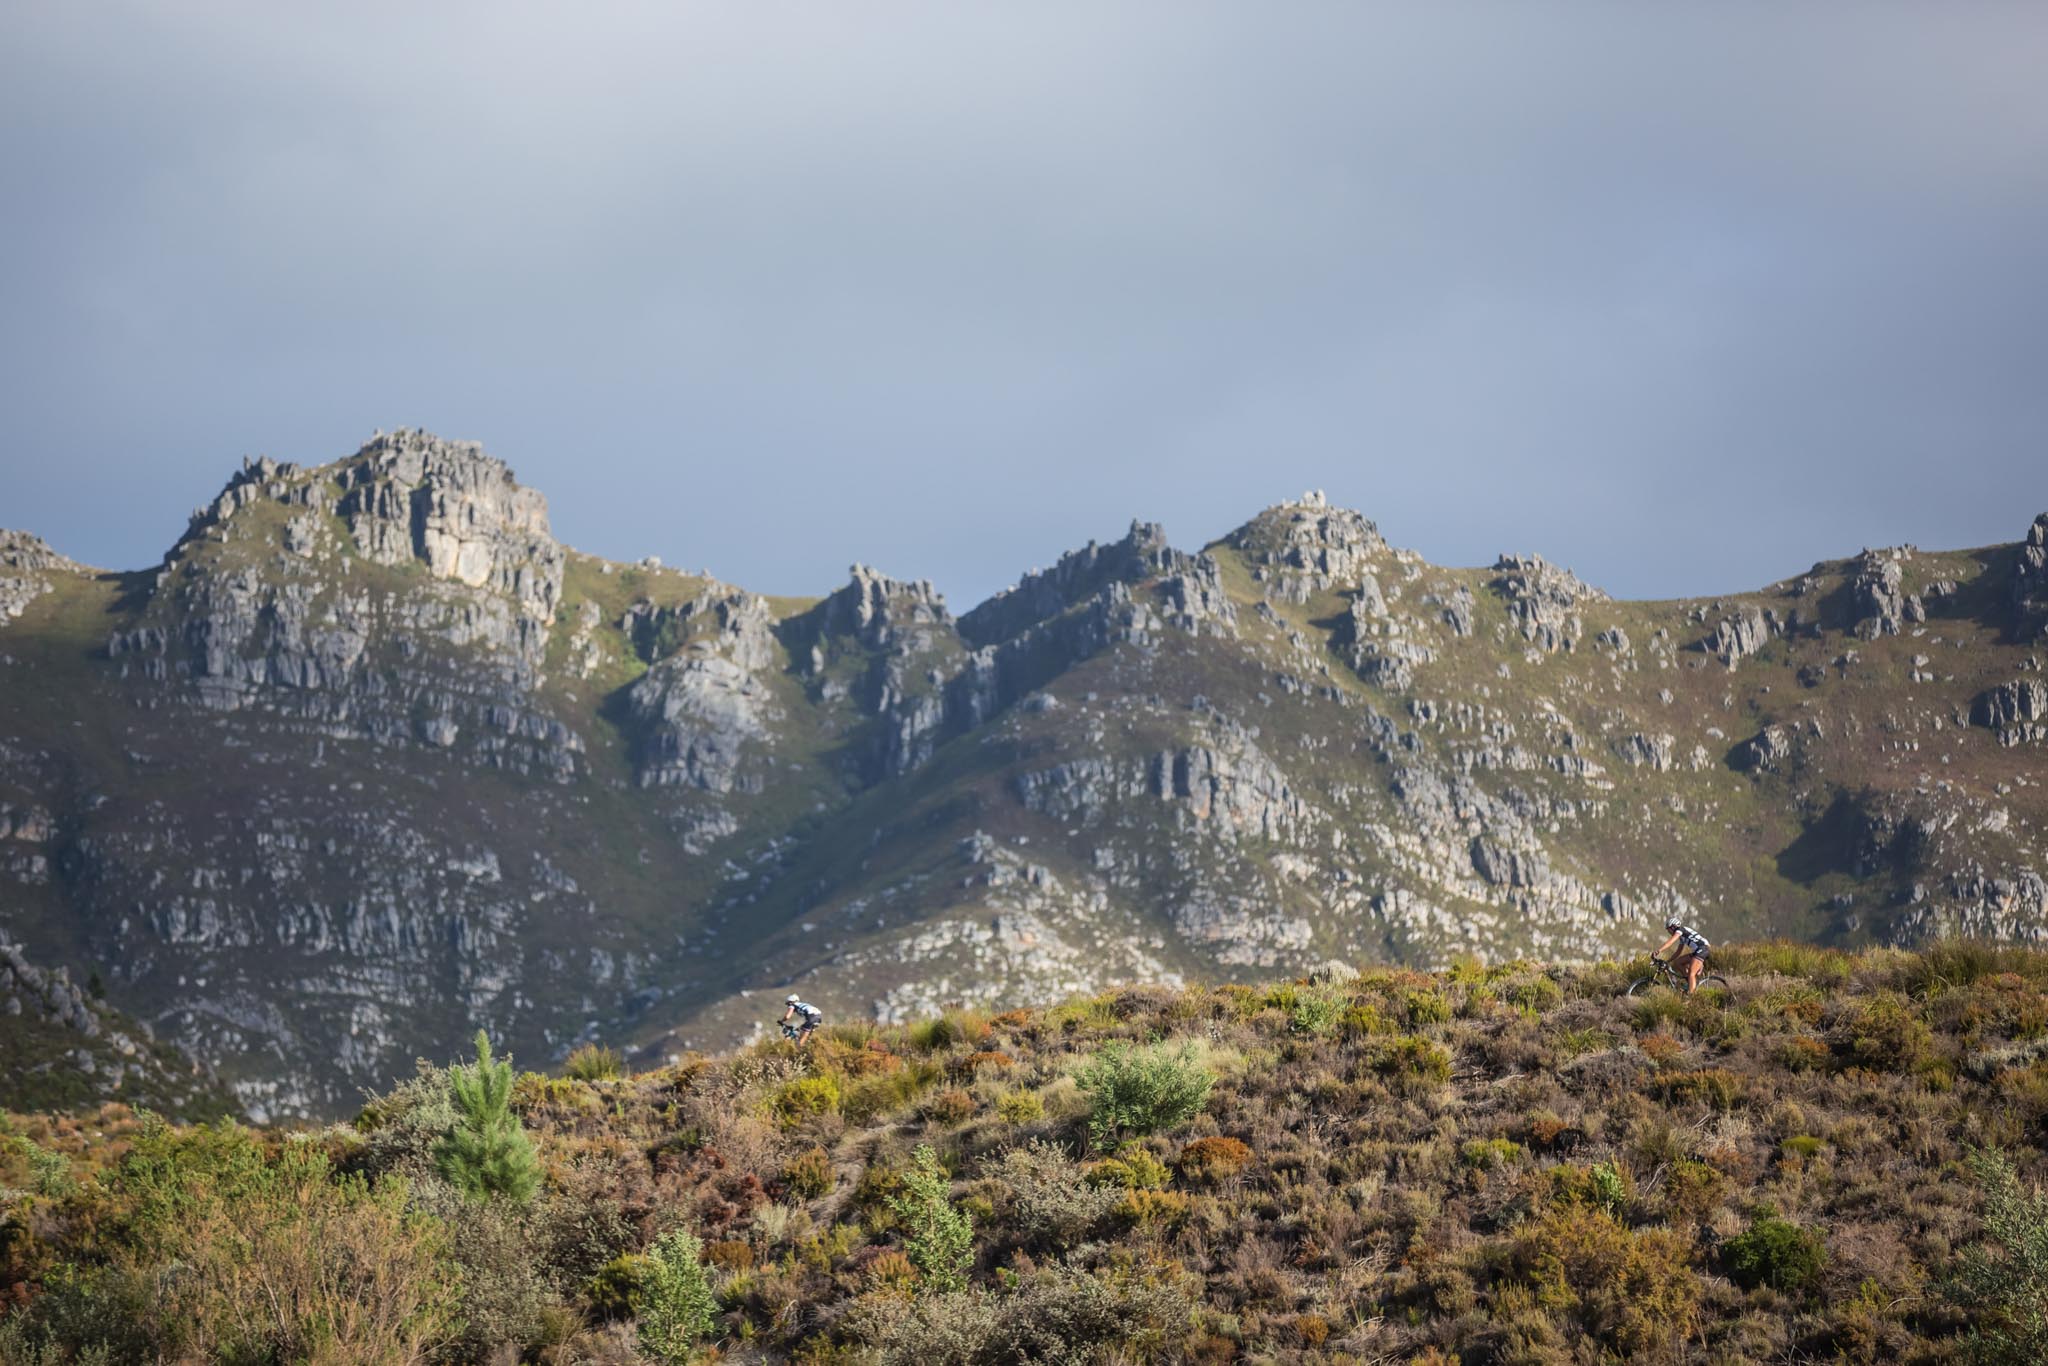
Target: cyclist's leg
point(1696, 967)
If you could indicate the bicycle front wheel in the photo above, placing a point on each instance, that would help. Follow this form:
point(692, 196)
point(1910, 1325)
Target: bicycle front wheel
point(1640, 985)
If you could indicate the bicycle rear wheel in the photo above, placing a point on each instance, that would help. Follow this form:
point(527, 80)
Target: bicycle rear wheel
point(1712, 979)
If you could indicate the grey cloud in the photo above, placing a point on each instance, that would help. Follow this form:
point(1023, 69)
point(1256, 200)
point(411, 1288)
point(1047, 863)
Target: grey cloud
point(1685, 299)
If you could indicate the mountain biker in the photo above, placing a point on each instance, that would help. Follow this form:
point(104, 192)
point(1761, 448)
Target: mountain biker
point(810, 1017)
point(1691, 950)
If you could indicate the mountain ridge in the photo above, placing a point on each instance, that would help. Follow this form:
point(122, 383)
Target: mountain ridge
point(370, 755)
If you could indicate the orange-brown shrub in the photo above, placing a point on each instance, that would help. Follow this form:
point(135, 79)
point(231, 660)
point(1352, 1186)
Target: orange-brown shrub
point(1213, 1159)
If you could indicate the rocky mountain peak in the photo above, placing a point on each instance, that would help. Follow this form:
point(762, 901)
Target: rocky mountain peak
point(1307, 546)
point(410, 495)
point(883, 613)
point(1143, 553)
point(1543, 599)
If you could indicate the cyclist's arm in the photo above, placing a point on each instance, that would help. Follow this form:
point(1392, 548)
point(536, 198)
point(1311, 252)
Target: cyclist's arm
point(1666, 946)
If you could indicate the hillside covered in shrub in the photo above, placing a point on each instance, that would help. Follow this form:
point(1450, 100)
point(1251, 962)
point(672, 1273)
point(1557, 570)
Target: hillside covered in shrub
point(1839, 1157)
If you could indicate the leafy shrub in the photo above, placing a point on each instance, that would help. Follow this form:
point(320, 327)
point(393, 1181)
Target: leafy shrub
point(1777, 1253)
point(614, 1292)
point(809, 1173)
point(1211, 1160)
point(1411, 1062)
point(1142, 1090)
point(1692, 1190)
point(955, 1026)
point(939, 1239)
point(1020, 1107)
point(1488, 1153)
point(487, 1152)
point(1534, 995)
point(1602, 1186)
point(1427, 1008)
point(1802, 1054)
point(676, 1306)
point(2005, 1277)
point(1716, 1087)
point(1051, 1202)
point(1631, 1291)
point(806, 1097)
point(49, 1172)
point(950, 1107)
point(1801, 1146)
point(1133, 1168)
point(1315, 1013)
point(594, 1062)
point(1361, 1021)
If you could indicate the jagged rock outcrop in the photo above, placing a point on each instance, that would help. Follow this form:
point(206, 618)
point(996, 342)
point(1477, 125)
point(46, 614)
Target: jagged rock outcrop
point(26, 564)
point(1655, 752)
point(410, 495)
point(1541, 600)
point(2017, 711)
point(2030, 570)
point(1877, 604)
point(1763, 752)
point(1306, 547)
point(1741, 635)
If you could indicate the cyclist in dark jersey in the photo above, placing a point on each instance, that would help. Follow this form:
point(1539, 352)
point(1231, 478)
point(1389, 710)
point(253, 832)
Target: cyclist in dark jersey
point(1688, 948)
point(808, 1016)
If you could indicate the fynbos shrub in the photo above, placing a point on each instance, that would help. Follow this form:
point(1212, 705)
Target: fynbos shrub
point(939, 1239)
point(675, 1303)
point(1141, 1091)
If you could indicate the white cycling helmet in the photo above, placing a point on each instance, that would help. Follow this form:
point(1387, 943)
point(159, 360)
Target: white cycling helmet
point(789, 999)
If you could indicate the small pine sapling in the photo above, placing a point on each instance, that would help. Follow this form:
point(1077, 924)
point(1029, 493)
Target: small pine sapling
point(487, 1153)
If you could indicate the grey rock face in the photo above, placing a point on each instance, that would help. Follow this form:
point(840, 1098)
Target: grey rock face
point(1877, 606)
point(2030, 577)
point(697, 710)
point(2017, 711)
point(1763, 752)
point(1648, 751)
point(26, 564)
point(413, 496)
point(1740, 636)
point(1541, 598)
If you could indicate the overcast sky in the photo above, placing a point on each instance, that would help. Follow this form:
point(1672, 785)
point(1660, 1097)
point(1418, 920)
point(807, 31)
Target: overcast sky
point(1683, 300)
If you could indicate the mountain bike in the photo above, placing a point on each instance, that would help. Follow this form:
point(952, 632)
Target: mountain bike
point(1667, 976)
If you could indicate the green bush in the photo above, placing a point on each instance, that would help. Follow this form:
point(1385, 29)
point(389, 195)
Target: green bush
point(1142, 1090)
point(806, 1097)
point(939, 1239)
point(809, 1174)
point(614, 1292)
point(676, 1305)
point(1315, 1013)
point(1776, 1253)
point(487, 1152)
point(1427, 1008)
point(1488, 1153)
point(594, 1062)
point(2004, 1279)
point(1020, 1107)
